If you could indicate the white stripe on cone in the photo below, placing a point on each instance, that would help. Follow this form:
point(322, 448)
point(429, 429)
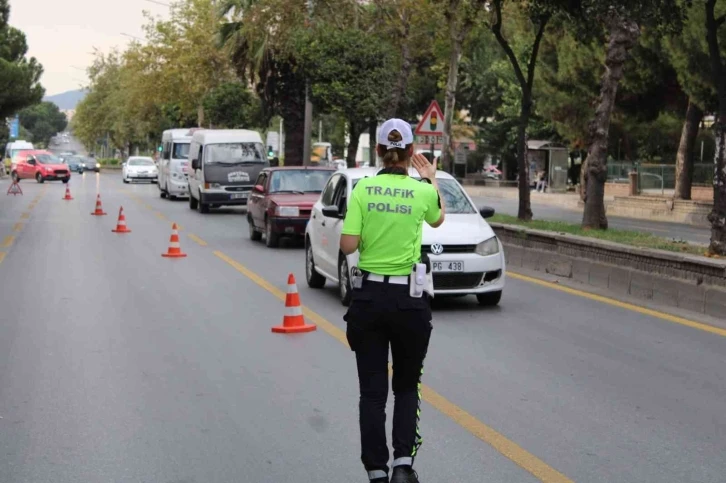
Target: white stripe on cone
point(294, 311)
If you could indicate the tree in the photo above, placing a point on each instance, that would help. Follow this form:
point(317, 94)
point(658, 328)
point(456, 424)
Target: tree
point(98, 114)
point(230, 105)
point(717, 217)
point(686, 148)
point(258, 37)
point(19, 77)
point(539, 15)
point(460, 18)
point(409, 26)
point(623, 20)
point(156, 85)
point(181, 61)
point(43, 120)
point(348, 74)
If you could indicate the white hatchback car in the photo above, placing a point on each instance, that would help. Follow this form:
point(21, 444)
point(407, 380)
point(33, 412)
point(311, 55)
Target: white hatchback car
point(139, 168)
point(466, 256)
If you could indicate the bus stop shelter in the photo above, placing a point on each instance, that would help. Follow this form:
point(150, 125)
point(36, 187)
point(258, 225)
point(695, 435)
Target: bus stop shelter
point(553, 159)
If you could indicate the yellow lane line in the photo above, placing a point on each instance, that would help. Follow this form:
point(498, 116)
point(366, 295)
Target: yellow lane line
point(2, 256)
point(527, 461)
point(25, 216)
point(18, 226)
point(624, 305)
point(148, 206)
point(197, 239)
point(160, 215)
point(8, 241)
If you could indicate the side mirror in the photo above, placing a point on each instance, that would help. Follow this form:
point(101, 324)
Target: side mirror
point(259, 188)
point(331, 211)
point(31, 161)
point(486, 212)
point(195, 164)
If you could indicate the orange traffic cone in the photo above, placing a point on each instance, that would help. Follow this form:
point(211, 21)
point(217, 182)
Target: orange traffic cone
point(99, 209)
point(293, 322)
point(121, 223)
point(174, 248)
point(68, 194)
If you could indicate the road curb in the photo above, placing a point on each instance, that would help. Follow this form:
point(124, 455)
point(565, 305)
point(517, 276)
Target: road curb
point(687, 282)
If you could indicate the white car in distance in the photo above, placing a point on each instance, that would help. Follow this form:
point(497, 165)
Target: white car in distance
point(139, 168)
point(467, 257)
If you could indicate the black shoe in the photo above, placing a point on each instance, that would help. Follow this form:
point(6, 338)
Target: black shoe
point(404, 474)
point(379, 480)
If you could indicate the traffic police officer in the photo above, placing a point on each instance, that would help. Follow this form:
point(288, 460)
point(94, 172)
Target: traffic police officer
point(384, 221)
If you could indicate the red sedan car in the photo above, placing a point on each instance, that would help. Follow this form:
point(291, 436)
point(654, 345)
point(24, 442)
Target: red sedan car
point(282, 199)
point(41, 165)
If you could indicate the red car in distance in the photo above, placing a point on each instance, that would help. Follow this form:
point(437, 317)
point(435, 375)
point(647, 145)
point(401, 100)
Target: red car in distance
point(282, 199)
point(41, 165)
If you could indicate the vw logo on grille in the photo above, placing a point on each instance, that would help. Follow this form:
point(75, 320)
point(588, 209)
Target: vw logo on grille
point(437, 249)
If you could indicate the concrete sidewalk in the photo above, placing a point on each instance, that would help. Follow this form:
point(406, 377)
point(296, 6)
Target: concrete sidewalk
point(644, 207)
point(569, 200)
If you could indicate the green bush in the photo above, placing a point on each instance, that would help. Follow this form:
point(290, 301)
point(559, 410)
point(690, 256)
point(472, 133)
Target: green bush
point(108, 161)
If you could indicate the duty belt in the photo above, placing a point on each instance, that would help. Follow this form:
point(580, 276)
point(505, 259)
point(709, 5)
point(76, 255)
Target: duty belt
point(392, 279)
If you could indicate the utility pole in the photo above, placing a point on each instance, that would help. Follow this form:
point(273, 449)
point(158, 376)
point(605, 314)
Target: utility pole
point(280, 143)
point(308, 126)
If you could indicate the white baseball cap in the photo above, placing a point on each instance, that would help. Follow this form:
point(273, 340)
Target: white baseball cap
point(399, 125)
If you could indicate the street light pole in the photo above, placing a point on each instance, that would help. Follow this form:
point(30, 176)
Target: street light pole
point(308, 125)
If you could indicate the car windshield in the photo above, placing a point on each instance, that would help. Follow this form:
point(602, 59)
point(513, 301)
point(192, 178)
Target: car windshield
point(47, 159)
point(140, 162)
point(234, 153)
point(181, 151)
point(456, 201)
point(72, 160)
point(299, 180)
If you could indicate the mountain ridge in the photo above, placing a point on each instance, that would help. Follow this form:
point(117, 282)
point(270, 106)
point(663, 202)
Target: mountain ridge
point(67, 100)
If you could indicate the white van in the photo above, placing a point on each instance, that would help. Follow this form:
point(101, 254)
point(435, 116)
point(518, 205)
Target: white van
point(225, 164)
point(14, 148)
point(174, 163)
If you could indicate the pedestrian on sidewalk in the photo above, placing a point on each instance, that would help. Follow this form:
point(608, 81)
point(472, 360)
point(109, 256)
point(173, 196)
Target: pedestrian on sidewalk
point(391, 294)
point(541, 182)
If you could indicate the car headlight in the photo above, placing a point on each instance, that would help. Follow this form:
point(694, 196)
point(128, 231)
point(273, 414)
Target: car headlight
point(488, 247)
point(214, 186)
point(83, 165)
point(287, 211)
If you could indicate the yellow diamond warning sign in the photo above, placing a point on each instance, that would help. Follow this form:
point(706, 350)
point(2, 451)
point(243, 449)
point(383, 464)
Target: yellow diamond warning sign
point(432, 123)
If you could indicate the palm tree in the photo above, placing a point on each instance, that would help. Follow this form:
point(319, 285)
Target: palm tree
point(257, 47)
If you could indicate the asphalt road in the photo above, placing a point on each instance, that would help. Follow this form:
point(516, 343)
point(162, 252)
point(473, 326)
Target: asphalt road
point(73, 145)
point(679, 231)
point(118, 365)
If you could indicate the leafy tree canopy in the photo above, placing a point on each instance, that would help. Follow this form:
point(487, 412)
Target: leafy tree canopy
point(43, 121)
point(19, 76)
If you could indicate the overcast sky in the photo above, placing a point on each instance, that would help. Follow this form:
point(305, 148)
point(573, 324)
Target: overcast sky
point(63, 33)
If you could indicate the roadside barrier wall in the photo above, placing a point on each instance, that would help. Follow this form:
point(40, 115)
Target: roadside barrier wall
point(689, 282)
